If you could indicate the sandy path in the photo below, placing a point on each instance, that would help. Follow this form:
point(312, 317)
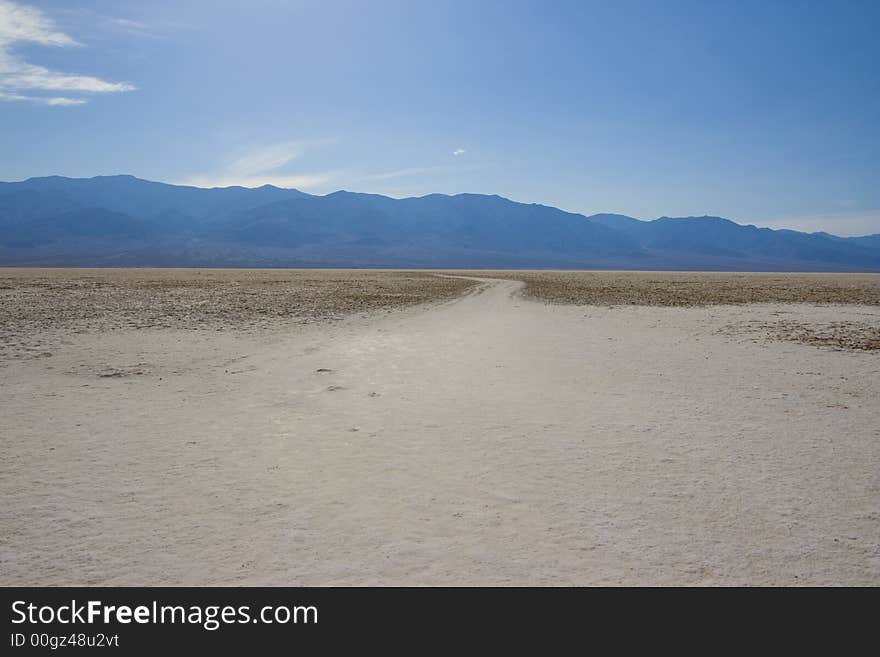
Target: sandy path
point(489, 440)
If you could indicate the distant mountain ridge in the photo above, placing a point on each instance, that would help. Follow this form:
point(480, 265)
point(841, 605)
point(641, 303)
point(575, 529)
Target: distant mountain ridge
point(126, 221)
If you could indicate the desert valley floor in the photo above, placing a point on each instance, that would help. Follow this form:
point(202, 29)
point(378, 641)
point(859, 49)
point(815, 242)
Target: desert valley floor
point(437, 430)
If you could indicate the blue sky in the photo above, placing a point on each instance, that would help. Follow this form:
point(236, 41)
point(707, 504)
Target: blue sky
point(762, 112)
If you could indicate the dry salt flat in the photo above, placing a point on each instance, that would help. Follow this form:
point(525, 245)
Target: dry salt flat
point(486, 439)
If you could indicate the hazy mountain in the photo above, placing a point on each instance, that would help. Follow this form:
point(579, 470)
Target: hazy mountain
point(145, 199)
point(122, 220)
point(866, 240)
point(692, 238)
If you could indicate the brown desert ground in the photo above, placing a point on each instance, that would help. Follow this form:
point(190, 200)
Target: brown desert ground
point(320, 427)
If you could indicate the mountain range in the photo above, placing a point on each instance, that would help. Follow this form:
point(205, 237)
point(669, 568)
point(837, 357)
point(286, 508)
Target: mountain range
point(126, 221)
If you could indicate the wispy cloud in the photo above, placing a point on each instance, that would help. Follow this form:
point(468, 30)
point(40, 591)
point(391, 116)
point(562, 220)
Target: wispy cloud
point(42, 100)
point(89, 18)
point(459, 151)
point(29, 24)
point(128, 24)
point(457, 168)
point(304, 181)
point(23, 24)
point(131, 27)
point(266, 158)
point(264, 166)
point(400, 173)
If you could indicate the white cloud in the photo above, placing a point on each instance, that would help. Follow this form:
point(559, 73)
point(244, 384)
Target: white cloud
point(131, 27)
point(29, 24)
point(412, 171)
point(303, 181)
point(266, 158)
point(459, 151)
point(61, 100)
point(21, 24)
point(29, 76)
point(42, 100)
point(260, 166)
point(128, 24)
